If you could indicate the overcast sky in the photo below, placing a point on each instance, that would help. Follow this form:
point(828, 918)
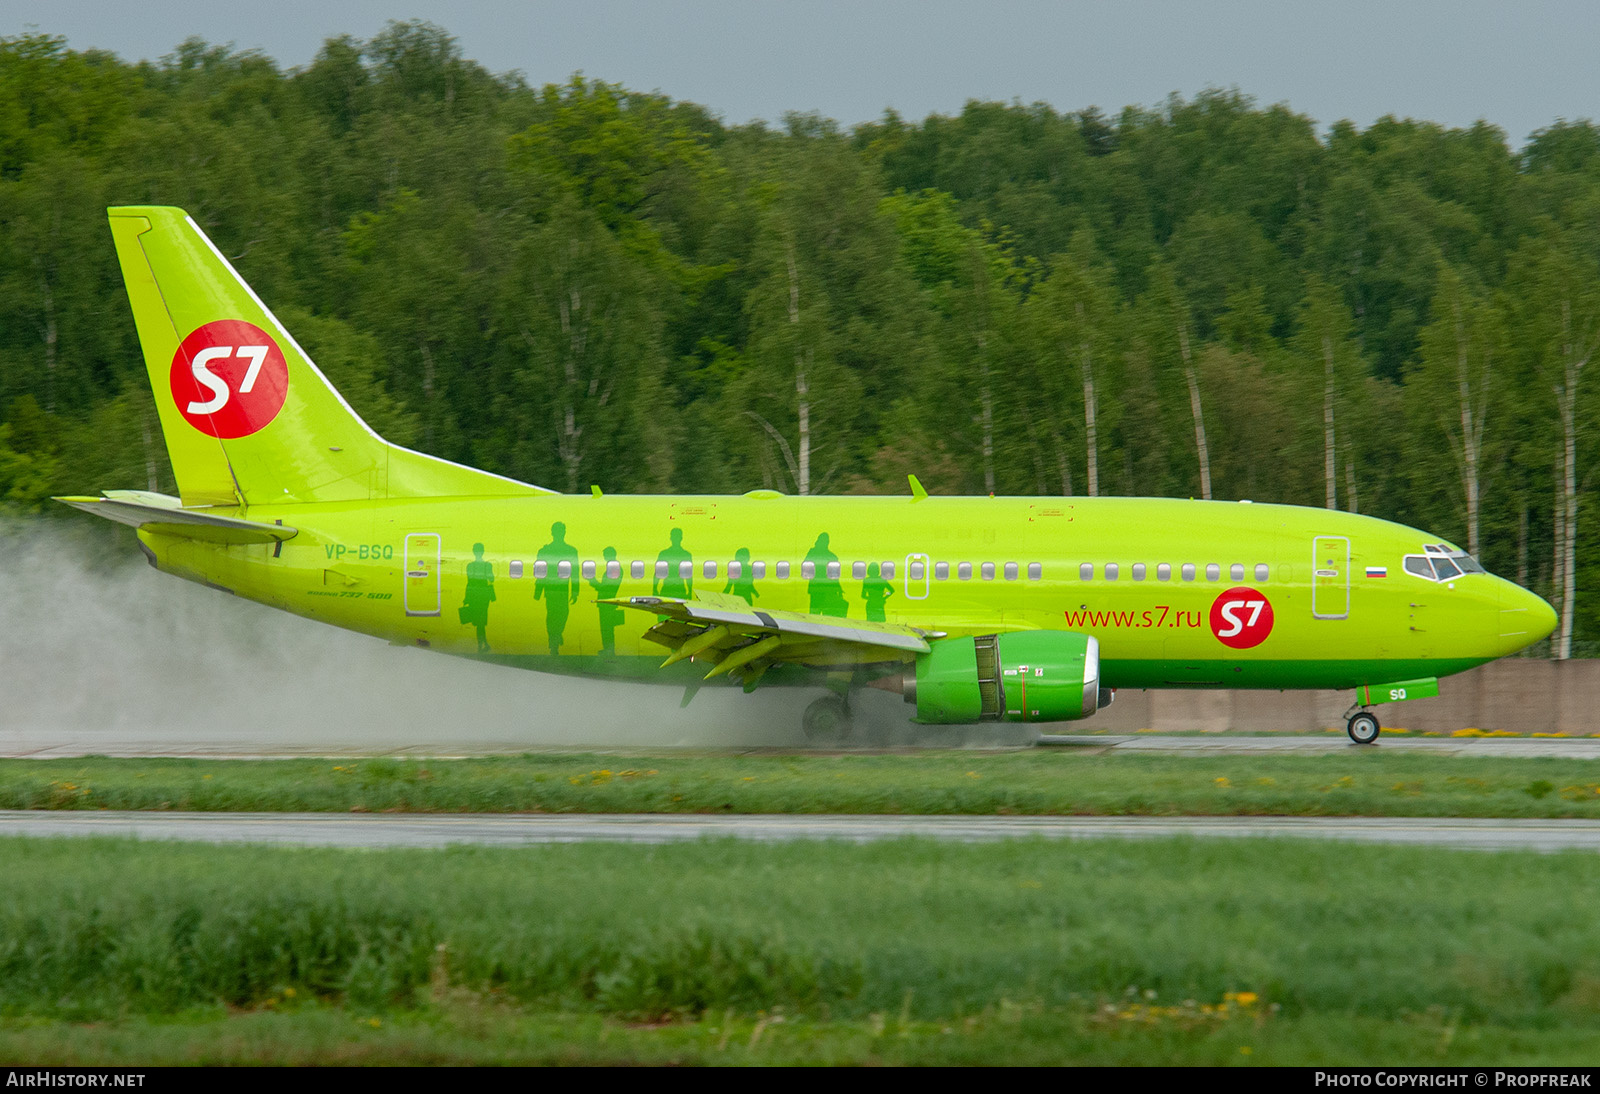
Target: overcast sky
point(1519, 65)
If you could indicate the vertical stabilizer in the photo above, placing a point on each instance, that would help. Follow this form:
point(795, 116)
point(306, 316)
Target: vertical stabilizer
point(247, 416)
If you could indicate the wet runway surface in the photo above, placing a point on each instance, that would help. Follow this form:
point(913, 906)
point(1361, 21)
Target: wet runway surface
point(432, 830)
point(53, 743)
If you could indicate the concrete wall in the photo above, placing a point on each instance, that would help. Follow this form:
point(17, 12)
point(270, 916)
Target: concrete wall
point(1521, 694)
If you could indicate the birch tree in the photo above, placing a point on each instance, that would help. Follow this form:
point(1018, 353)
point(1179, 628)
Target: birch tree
point(1459, 354)
point(1324, 349)
point(1553, 294)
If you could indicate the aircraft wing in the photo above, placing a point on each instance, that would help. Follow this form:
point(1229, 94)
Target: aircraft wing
point(734, 636)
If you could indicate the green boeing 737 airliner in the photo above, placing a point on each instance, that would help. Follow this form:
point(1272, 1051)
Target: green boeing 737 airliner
point(976, 609)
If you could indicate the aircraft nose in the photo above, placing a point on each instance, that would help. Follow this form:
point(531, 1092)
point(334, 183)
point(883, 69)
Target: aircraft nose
point(1524, 617)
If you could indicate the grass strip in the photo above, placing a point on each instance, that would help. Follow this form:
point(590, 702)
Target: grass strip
point(1167, 934)
point(468, 1030)
point(1360, 782)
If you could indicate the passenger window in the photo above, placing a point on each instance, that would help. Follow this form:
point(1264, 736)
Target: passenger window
point(636, 570)
point(858, 570)
point(1163, 571)
point(1188, 571)
point(1011, 571)
point(662, 569)
point(1261, 571)
point(758, 569)
point(783, 571)
point(734, 570)
point(1138, 571)
point(588, 570)
point(808, 570)
point(1036, 571)
point(917, 570)
point(686, 570)
point(1111, 571)
point(709, 569)
point(614, 570)
point(833, 570)
point(941, 571)
point(887, 570)
point(988, 571)
point(1236, 572)
point(964, 571)
point(563, 569)
point(540, 568)
point(1213, 571)
point(516, 567)
point(1085, 572)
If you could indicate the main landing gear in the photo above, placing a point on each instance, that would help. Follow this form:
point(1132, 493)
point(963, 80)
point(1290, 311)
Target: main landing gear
point(828, 720)
point(1363, 727)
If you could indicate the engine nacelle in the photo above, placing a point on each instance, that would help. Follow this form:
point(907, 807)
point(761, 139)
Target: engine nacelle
point(1026, 676)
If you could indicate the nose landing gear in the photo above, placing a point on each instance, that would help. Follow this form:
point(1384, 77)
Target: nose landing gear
point(1363, 727)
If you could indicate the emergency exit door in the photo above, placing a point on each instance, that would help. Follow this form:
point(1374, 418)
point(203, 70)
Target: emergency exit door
point(1330, 577)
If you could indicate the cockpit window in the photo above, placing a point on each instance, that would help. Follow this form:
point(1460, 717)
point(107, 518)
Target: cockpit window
point(1441, 562)
point(1445, 568)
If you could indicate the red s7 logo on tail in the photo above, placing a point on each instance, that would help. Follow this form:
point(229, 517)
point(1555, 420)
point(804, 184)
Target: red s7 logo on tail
point(229, 378)
point(1241, 618)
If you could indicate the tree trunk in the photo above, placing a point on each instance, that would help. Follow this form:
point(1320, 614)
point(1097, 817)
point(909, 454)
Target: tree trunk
point(1090, 443)
point(151, 480)
point(569, 436)
point(49, 334)
point(1329, 462)
point(1193, 380)
point(1472, 424)
point(987, 397)
point(802, 387)
point(1522, 544)
point(1576, 350)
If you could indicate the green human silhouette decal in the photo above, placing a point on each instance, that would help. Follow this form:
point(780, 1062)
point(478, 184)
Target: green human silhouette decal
point(605, 587)
point(743, 586)
point(679, 579)
point(480, 594)
point(875, 590)
point(827, 598)
point(558, 590)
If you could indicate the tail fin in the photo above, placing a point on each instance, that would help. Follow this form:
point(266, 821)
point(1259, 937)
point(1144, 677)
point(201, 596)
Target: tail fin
point(247, 416)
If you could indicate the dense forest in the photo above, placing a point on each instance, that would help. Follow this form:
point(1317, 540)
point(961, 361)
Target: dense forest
point(578, 283)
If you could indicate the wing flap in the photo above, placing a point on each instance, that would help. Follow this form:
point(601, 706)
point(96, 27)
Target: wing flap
point(742, 640)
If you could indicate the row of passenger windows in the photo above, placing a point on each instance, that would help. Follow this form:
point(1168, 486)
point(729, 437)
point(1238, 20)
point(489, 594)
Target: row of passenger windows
point(782, 570)
point(918, 570)
point(1138, 571)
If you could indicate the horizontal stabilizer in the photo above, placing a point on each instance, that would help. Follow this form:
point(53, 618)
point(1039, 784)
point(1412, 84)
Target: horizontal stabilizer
point(165, 514)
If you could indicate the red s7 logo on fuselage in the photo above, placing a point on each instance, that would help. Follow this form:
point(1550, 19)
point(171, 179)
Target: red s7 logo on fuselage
point(1241, 618)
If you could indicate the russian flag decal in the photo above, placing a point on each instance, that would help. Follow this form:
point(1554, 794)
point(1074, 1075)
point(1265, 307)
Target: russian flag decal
point(1377, 571)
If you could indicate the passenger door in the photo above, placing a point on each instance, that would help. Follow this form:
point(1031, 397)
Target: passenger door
point(1330, 577)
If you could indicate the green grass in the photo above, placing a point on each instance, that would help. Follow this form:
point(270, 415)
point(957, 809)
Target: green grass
point(1363, 782)
point(908, 951)
point(474, 1031)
